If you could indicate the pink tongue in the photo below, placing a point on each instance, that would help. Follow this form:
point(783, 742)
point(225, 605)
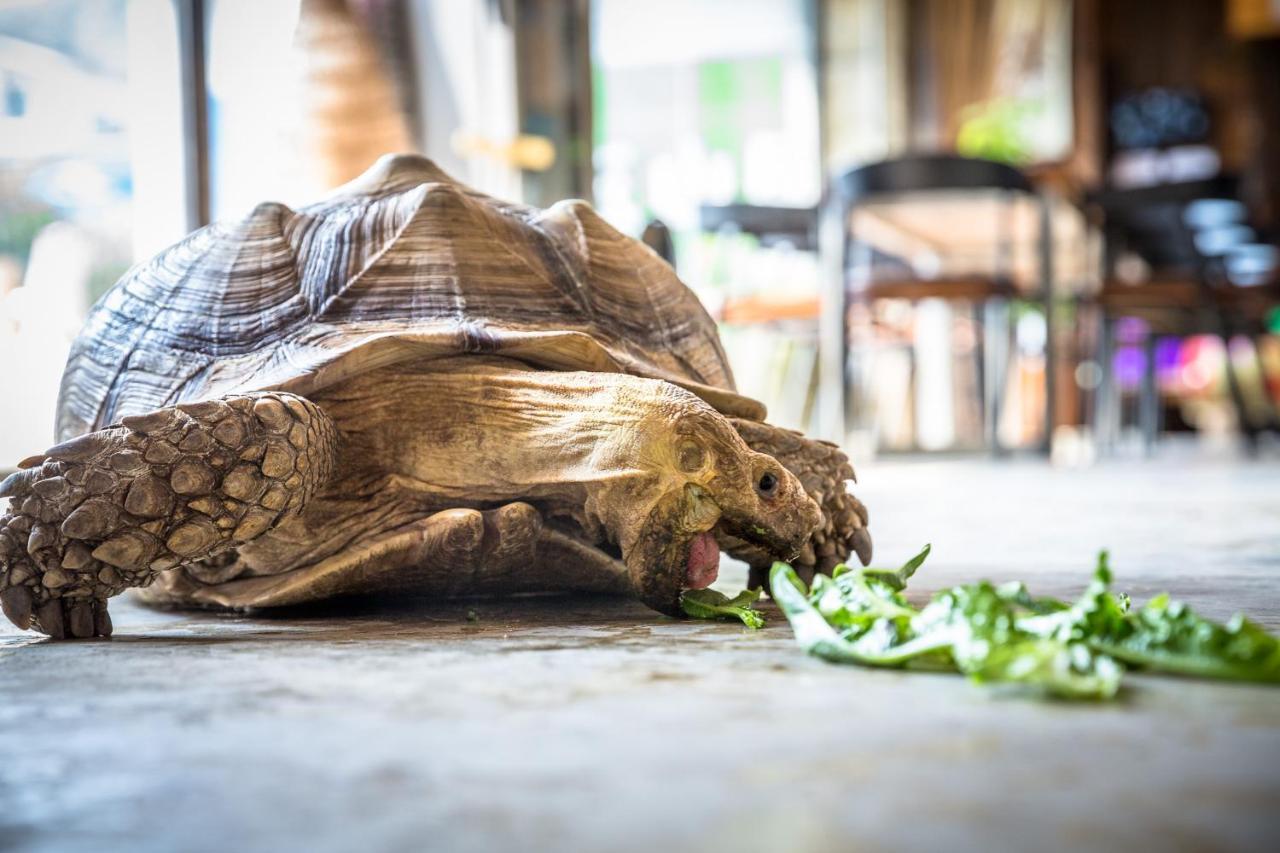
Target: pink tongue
point(704, 562)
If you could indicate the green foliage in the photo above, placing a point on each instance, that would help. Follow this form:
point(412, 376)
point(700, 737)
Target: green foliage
point(18, 230)
point(1003, 635)
point(103, 276)
point(997, 130)
point(709, 604)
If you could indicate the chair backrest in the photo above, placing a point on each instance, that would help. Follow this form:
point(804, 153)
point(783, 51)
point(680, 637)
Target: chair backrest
point(795, 225)
point(926, 172)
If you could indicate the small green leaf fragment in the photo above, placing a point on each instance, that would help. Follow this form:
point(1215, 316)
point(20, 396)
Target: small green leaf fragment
point(709, 604)
point(897, 578)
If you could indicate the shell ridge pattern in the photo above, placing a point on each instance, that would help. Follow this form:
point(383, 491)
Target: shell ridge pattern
point(323, 271)
point(250, 279)
point(669, 334)
point(666, 328)
point(390, 207)
point(162, 299)
point(98, 325)
point(581, 294)
point(640, 262)
point(256, 309)
point(299, 232)
point(474, 332)
point(241, 266)
point(576, 210)
point(449, 246)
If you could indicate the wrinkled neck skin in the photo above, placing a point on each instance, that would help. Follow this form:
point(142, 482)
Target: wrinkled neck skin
point(478, 432)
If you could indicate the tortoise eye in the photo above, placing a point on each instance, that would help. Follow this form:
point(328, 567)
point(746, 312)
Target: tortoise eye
point(691, 457)
point(768, 485)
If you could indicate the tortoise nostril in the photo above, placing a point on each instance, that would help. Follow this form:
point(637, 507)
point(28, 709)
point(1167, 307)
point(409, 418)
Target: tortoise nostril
point(768, 485)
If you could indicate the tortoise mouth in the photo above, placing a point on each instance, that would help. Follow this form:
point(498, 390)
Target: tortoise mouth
point(702, 551)
point(702, 565)
point(669, 557)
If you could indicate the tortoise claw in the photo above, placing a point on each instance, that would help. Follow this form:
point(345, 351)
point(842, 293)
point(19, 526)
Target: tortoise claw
point(80, 621)
point(18, 605)
point(101, 620)
point(49, 619)
point(862, 545)
point(63, 618)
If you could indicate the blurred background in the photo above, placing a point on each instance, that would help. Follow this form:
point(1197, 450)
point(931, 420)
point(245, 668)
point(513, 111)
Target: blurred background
point(1006, 226)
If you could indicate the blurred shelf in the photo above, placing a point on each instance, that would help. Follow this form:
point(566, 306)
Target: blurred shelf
point(1179, 293)
point(754, 310)
point(963, 287)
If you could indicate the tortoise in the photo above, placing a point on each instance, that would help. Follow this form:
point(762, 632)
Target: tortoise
point(406, 388)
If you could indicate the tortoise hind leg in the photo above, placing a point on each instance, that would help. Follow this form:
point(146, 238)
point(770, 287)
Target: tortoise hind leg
point(447, 553)
point(112, 509)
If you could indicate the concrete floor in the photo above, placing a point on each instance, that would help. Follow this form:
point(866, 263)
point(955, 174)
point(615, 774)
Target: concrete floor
point(597, 725)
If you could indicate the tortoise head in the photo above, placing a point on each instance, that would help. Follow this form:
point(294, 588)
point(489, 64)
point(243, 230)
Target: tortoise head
point(697, 480)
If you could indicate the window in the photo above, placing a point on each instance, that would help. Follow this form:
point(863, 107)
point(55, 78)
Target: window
point(89, 134)
point(691, 112)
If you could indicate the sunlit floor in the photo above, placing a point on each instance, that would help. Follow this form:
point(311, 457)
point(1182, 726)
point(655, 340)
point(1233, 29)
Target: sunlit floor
point(597, 725)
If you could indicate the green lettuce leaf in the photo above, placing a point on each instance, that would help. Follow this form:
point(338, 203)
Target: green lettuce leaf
point(1004, 635)
point(709, 604)
point(1162, 636)
point(1167, 636)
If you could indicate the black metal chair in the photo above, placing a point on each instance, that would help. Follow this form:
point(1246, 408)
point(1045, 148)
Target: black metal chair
point(1188, 293)
point(869, 276)
point(797, 226)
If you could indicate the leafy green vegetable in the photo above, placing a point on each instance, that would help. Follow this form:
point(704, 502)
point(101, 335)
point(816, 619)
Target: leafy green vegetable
point(1004, 635)
point(1164, 635)
point(894, 578)
point(709, 604)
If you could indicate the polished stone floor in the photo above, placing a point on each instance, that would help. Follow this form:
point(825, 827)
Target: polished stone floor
point(597, 725)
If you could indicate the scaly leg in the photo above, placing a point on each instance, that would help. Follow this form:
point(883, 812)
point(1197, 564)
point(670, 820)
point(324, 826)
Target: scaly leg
point(114, 508)
point(824, 471)
point(452, 552)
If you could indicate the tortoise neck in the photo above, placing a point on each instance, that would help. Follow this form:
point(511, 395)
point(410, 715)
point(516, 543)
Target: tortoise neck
point(474, 431)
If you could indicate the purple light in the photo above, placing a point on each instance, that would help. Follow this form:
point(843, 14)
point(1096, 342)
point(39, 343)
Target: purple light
point(1168, 358)
point(1131, 330)
point(1129, 366)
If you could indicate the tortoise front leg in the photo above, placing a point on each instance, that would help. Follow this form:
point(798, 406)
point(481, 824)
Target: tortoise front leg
point(112, 509)
point(824, 471)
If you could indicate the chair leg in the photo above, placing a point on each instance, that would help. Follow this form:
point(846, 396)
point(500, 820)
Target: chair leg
point(1050, 377)
point(1105, 410)
point(1149, 403)
point(1271, 410)
point(996, 334)
point(979, 360)
point(1226, 327)
point(1247, 427)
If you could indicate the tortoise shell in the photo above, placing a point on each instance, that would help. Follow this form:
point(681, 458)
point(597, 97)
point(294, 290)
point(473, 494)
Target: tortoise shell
point(404, 262)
